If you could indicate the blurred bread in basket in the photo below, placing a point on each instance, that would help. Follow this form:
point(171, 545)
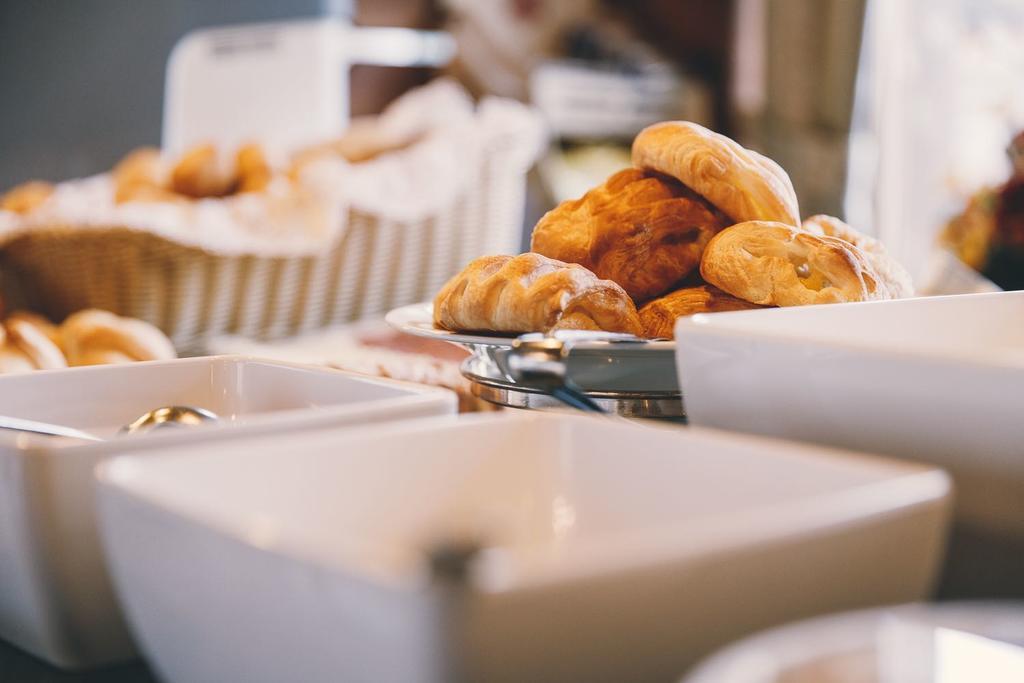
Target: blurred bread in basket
point(699, 224)
point(28, 341)
point(269, 243)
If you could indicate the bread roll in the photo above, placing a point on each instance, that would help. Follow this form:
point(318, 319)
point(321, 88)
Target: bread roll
point(532, 293)
point(659, 316)
point(893, 275)
point(774, 264)
point(25, 198)
point(743, 184)
point(641, 230)
point(201, 172)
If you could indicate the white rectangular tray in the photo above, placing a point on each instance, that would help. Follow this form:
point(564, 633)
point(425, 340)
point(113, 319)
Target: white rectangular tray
point(56, 600)
point(607, 550)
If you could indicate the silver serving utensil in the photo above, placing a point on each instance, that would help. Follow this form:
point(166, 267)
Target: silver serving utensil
point(539, 362)
point(167, 416)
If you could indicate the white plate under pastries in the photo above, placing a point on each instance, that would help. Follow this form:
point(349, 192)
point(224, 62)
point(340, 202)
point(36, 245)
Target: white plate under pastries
point(938, 380)
point(56, 600)
point(607, 550)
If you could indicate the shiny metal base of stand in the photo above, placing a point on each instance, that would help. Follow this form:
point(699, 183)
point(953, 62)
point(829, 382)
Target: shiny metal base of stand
point(487, 384)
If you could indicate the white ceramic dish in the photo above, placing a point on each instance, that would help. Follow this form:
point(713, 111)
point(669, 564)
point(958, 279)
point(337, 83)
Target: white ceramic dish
point(938, 380)
point(606, 546)
point(946, 642)
point(55, 595)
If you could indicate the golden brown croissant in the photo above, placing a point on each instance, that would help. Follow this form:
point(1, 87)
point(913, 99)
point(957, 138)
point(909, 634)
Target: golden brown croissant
point(777, 265)
point(743, 184)
point(659, 316)
point(532, 293)
point(894, 275)
point(641, 230)
point(92, 337)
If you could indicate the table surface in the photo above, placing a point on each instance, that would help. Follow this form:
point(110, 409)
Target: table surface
point(18, 667)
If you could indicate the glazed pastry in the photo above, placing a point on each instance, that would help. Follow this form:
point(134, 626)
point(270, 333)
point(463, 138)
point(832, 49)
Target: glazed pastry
point(92, 337)
point(642, 230)
point(201, 172)
point(894, 276)
point(659, 316)
point(774, 264)
point(532, 293)
point(743, 184)
point(26, 197)
point(34, 343)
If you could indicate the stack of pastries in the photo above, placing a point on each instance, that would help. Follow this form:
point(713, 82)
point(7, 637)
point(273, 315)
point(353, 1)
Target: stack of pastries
point(698, 224)
point(90, 337)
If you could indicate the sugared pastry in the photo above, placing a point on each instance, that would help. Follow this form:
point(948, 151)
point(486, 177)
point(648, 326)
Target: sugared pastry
point(774, 264)
point(892, 273)
point(93, 337)
point(743, 184)
point(202, 172)
point(532, 293)
point(26, 197)
point(659, 316)
point(642, 230)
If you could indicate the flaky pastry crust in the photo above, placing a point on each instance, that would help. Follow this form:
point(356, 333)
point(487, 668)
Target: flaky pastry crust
point(642, 230)
point(774, 264)
point(894, 276)
point(743, 184)
point(659, 316)
point(532, 293)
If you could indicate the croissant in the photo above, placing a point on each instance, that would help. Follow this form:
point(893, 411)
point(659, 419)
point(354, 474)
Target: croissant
point(642, 230)
point(532, 293)
point(659, 316)
point(778, 265)
point(893, 275)
point(27, 347)
point(93, 337)
point(743, 184)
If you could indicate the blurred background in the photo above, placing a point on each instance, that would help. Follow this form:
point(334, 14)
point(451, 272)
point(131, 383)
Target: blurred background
point(893, 115)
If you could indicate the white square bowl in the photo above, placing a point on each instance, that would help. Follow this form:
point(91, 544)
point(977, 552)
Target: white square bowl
point(610, 550)
point(937, 380)
point(56, 600)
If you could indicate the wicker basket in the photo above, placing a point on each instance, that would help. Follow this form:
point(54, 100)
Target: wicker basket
point(193, 294)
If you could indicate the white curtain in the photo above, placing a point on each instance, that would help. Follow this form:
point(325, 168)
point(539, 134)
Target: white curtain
point(940, 92)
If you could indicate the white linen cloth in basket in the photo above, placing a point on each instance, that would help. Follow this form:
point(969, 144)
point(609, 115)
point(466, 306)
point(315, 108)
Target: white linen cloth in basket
point(347, 241)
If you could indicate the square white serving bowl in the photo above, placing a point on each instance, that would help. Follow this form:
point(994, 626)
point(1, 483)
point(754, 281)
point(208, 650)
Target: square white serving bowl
point(56, 600)
point(609, 550)
point(938, 380)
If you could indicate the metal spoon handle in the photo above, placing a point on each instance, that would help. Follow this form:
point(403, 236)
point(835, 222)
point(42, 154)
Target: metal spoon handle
point(18, 424)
